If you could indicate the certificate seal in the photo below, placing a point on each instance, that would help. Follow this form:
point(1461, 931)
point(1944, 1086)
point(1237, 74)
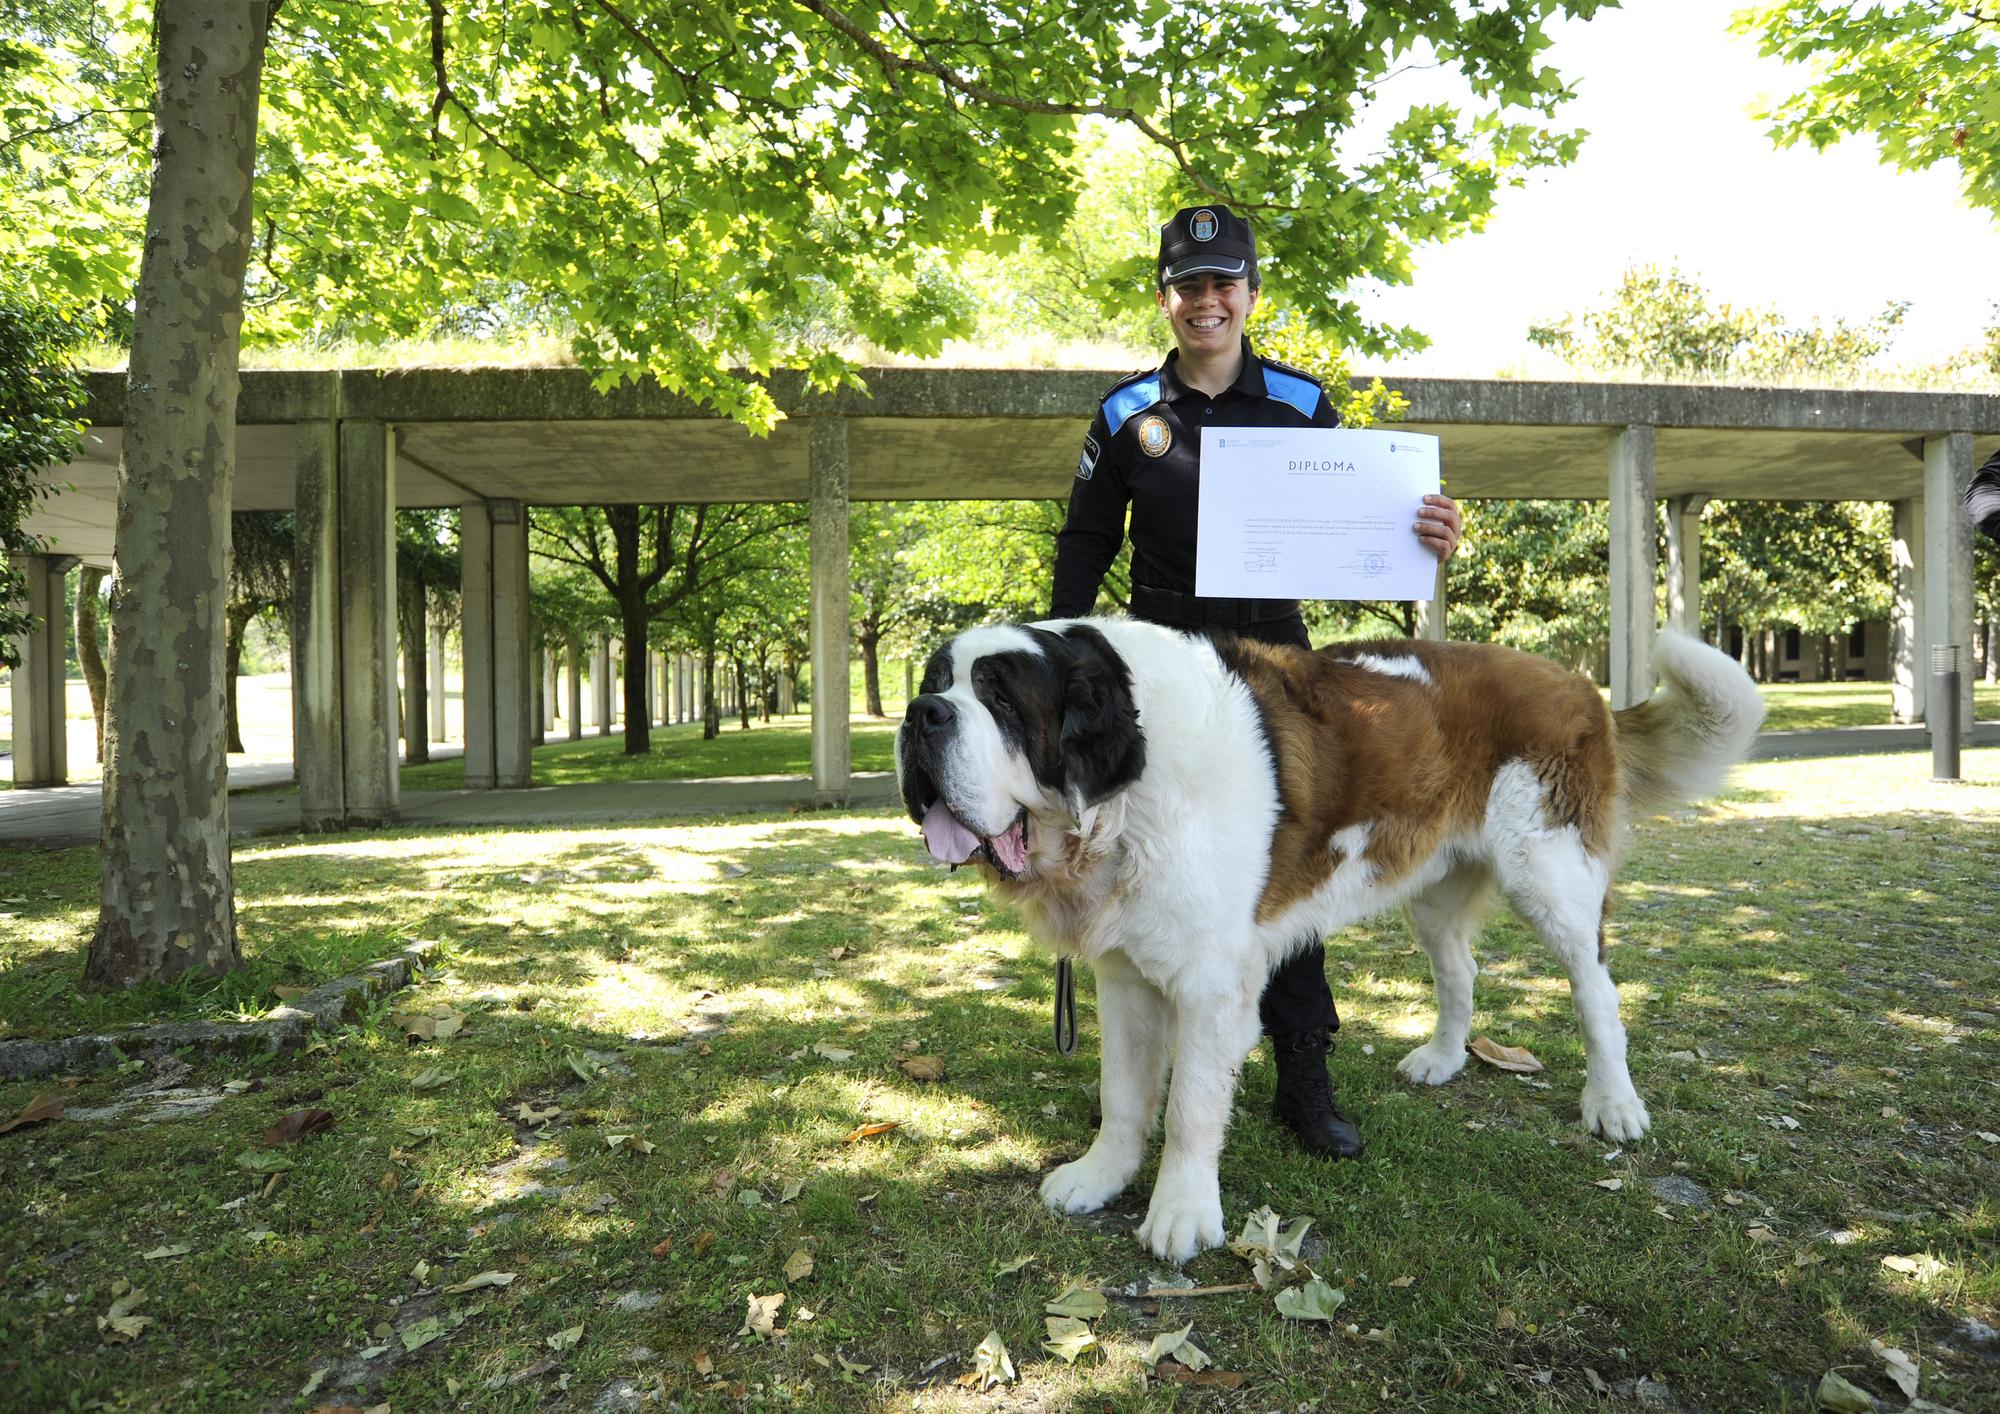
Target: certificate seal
point(1155, 436)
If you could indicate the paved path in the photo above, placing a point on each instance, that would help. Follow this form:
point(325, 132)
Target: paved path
point(72, 815)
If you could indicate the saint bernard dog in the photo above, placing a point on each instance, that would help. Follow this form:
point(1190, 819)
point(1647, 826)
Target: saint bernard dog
point(1182, 813)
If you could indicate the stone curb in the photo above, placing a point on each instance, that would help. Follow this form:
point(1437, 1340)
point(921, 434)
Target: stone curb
point(283, 1031)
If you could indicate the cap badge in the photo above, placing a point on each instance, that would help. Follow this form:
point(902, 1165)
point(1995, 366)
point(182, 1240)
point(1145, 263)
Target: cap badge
point(1155, 436)
point(1202, 225)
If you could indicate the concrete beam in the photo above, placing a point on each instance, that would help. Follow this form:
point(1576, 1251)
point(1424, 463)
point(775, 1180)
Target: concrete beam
point(831, 748)
point(368, 620)
point(41, 728)
point(317, 748)
point(1633, 597)
point(1948, 560)
point(1684, 563)
point(1909, 666)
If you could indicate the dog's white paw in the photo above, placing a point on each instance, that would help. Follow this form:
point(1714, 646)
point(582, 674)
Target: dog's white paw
point(1432, 1064)
point(1087, 1184)
point(1621, 1117)
point(1181, 1225)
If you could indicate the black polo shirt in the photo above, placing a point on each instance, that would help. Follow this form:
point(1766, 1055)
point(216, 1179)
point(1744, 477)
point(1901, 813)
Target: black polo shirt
point(1143, 451)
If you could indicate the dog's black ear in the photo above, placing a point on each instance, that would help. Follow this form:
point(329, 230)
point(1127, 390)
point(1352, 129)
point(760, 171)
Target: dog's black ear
point(1103, 750)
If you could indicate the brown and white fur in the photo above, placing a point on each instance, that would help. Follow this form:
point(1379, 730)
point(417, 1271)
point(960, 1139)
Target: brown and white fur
point(1181, 814)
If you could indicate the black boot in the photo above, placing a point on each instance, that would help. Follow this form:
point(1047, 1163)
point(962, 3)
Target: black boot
point(1304, 1103)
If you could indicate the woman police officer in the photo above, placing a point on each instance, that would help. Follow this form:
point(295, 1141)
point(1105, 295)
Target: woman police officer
point(1143, 452)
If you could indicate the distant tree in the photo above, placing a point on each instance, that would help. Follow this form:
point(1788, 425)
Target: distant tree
point(1923, 80)
point(880, 536)
point(40, 397)
point(429, 579)
point(260, 581)
point(1665, 324)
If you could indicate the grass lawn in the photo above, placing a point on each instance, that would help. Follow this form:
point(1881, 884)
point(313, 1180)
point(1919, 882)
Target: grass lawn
point(780, 747)
point(1808, 976)
point(1797, 706)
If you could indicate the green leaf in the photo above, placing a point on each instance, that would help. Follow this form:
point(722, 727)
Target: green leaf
point(263, 1161)
point(1068, 1337)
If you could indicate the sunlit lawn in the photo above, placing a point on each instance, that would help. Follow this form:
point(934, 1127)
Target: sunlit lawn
point(1798, 706)
point(1808, 976)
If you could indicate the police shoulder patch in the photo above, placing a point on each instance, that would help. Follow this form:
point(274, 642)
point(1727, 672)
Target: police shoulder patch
point(1134, 394)
point(1086, 465)
point(1291, 386)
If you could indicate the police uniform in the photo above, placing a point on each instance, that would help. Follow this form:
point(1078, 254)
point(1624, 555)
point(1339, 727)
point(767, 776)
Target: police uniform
point(1143, 452)
point(1142, 455)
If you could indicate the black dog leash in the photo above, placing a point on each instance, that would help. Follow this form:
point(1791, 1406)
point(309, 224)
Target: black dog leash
point(1065, 1006)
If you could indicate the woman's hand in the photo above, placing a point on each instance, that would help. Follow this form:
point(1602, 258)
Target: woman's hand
point(1439, 525)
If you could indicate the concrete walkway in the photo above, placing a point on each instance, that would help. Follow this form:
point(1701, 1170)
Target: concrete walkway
point(72, 815)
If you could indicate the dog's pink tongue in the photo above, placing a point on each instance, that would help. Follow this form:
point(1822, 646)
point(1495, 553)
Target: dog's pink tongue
point(1011, 849)
point(949, 840)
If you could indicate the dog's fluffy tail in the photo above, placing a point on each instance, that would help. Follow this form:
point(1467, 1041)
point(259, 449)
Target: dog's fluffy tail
point(1679, 744)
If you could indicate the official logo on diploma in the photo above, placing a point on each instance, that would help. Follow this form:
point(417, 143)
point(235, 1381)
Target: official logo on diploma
point(1155, 436)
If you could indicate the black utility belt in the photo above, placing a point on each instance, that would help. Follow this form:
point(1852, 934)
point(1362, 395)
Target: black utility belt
point(1164, 606)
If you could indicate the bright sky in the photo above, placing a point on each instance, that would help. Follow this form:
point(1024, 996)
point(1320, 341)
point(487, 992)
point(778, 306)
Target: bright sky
point(1676, 171)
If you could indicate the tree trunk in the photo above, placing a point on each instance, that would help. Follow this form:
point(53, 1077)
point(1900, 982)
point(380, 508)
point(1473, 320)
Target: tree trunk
point(870, 639)
point(742, 696)
point(413, 608)
point(238, 620)
point(167, 900)
point(711, 714)
point(89, 582)
point(633, 625)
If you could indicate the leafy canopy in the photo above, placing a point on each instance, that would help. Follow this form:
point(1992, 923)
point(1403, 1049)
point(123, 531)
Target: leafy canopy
point(1922, 79)
point(674, 184)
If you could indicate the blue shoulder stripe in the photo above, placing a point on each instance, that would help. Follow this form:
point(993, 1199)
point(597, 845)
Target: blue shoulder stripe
point(1133, 397)
point(1301, 393)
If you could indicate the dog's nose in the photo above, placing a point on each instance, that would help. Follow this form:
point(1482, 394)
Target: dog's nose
point(928, 715)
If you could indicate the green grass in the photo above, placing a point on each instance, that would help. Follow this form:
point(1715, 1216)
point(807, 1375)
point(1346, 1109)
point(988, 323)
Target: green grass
point(1815, 948)
point(1800, 706)
point(780, 747)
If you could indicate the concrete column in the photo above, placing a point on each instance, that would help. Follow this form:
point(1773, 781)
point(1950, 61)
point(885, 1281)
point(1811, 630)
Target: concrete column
point(475, 632)
point(831, 748)
point(1633, 596)
point(368, 619)
point(1431, 613)
point(438, 732)
point(600, 685)
point(1684, 563)
point(41, 728)
point(1909, 666)
point(546, 700)
point(317, 751)
point(1948, 532)
point(500, 676)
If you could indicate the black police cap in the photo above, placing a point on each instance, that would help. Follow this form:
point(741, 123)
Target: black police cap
point(1206, 240)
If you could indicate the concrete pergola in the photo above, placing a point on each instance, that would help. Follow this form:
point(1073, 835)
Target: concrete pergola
point(345, 449)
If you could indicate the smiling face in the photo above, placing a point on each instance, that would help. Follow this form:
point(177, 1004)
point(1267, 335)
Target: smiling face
point(1013, 727)
point(1207, 313)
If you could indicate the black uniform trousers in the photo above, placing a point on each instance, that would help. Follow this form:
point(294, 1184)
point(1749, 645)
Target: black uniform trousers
point(1297, 998)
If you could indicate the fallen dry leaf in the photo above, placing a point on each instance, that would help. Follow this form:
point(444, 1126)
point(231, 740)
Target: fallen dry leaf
point(630, 1143)
point(36, 1111)
point(664, 1247)
point(1518, 1059)
point(703, 1240)
point(703, 1364)
point(289, 994)
point(1614, 1184)
point(991, 1363)
point(1176, 1344)
point(1922, 1265)
point(869, 1131)
point(483, 1279)
point(160, 1254)
point(527, 1113)
point(922, 1067)
point(297, 1125)
point(1837, 1394)
point(841, 953)
point(799, 1265)
point(119, 1325)
point(761, 1314)
point(832, 1053)
point(1760, 1233)
point(1901, 1368)
point(1404, 1281)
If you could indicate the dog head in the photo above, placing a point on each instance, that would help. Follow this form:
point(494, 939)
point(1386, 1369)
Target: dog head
point(1016, 728)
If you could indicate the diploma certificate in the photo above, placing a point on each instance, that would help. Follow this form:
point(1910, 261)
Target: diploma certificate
point(1314, 513)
